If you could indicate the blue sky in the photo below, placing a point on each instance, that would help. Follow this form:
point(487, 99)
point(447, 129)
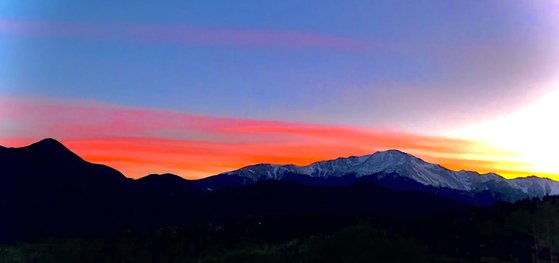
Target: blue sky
point(408, 65)
point(201, 87)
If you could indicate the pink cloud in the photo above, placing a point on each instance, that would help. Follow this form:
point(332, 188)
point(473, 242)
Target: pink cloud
point(183, 34)
point(139, 141)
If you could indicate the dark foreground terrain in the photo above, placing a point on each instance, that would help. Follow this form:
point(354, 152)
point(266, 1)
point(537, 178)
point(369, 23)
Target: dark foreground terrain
point(527, 231)
point(56, 207)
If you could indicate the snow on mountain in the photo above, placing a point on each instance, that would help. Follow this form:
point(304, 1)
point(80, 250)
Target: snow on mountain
point(405, 165)
point(533, 184)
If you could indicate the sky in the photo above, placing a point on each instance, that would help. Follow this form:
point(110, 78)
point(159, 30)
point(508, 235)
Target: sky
point(201, 87)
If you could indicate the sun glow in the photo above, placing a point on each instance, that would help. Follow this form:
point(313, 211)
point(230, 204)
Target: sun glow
point(531, 134)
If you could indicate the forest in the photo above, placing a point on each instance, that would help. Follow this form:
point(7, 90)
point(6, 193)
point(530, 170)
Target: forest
point(526, 231)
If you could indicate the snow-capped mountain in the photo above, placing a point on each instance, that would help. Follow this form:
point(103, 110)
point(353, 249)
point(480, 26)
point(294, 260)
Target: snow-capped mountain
point(405, 166)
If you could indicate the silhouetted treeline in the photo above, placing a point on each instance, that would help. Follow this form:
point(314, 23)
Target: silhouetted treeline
point(527, 231)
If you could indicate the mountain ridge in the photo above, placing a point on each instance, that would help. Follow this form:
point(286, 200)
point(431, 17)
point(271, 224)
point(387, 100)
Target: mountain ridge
point(382, 163)
point(391, 167)
point(46, 191)
point(71, 196)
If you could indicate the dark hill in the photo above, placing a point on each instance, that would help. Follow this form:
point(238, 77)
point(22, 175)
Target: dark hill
point(46, 190)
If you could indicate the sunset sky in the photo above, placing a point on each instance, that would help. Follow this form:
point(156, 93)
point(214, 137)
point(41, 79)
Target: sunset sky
point(196, 88)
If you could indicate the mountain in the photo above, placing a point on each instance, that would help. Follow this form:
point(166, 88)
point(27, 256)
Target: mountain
point(391, 168)
point(48, 163)
point(48, 170)
point(45, 186)
point(46, 190)
point(164, 184)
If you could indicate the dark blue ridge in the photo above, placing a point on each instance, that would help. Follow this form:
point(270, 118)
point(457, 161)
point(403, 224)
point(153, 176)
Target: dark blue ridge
point(46, 190)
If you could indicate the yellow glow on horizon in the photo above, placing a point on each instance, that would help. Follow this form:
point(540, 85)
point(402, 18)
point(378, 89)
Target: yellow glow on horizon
point(531, 134)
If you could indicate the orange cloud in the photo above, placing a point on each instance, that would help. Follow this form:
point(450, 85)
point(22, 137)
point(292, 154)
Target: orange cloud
point(140, 141)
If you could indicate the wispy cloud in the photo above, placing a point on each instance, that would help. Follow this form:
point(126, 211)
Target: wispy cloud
point(139, 141)
point(183, 34)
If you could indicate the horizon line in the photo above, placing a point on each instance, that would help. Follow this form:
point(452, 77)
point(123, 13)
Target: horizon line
point(277, 164)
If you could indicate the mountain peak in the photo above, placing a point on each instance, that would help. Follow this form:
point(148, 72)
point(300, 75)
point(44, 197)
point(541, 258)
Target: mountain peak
point(165, 176)
point(49, 142)
point(394, 153)
point(51, 147)
point(394, 157)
